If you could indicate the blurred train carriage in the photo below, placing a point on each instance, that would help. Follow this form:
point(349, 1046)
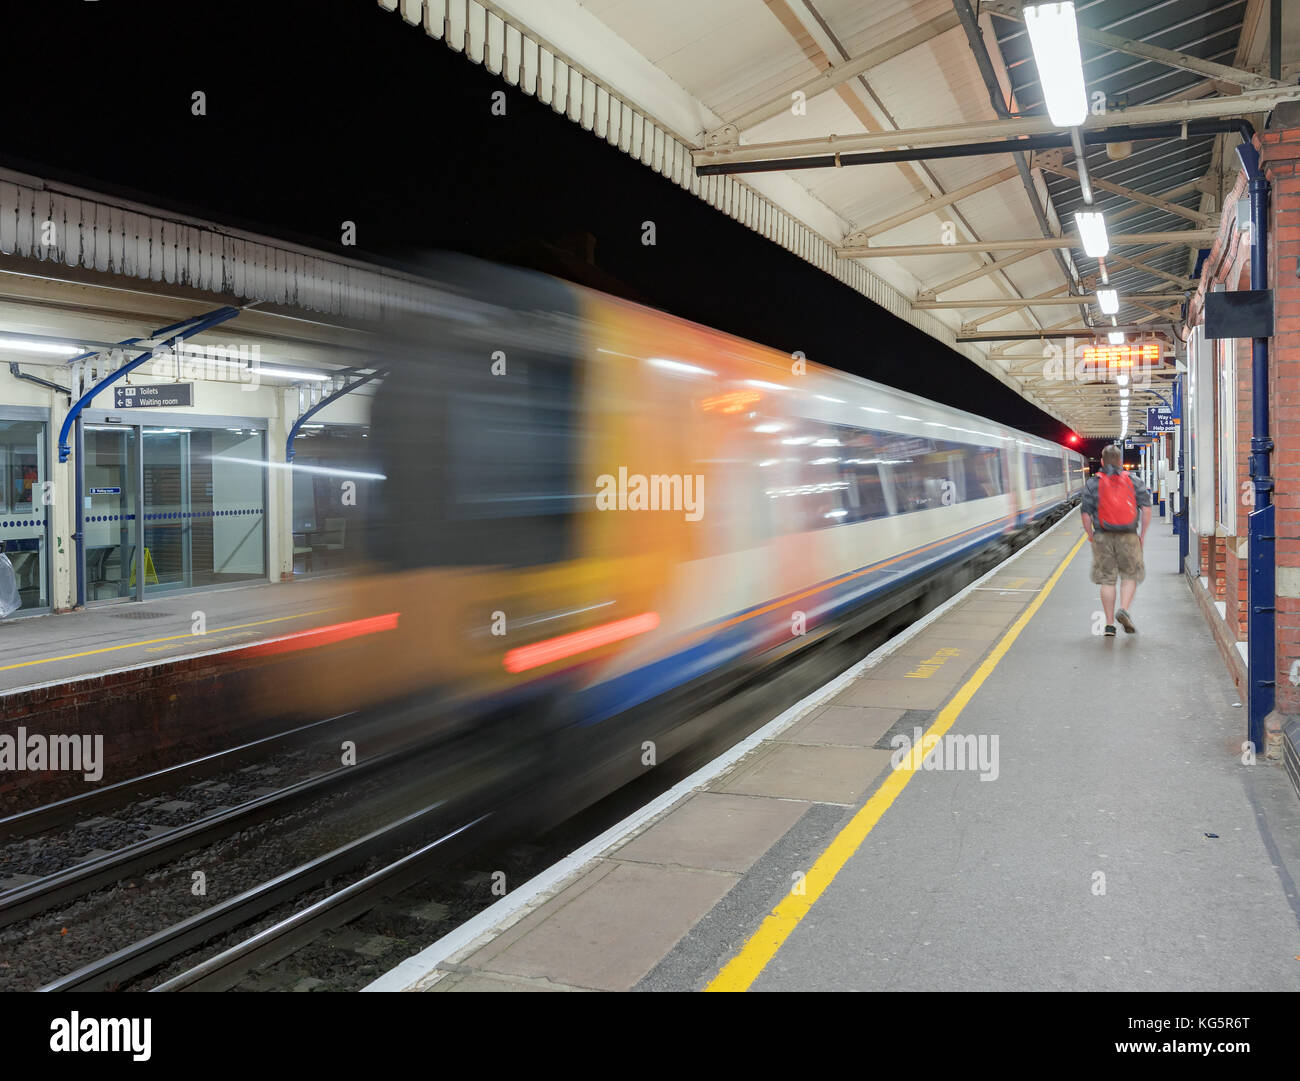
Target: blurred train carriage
point(803, 505)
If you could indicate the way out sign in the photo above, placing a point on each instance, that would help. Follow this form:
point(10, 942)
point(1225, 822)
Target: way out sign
point(1160, 419)
point(144, 395)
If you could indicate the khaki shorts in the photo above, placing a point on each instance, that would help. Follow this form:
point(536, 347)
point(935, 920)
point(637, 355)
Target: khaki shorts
point(1116, 554)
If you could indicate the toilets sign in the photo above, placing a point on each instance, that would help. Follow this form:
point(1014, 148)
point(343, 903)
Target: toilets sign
point(144, 395)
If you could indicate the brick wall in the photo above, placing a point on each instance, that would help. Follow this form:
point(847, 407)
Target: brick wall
point(150, 717)
point(1280, 152)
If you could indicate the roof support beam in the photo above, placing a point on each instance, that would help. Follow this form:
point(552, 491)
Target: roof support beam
point(972, 275)
point(1253, 101)
point(994, 316)
point(1140, 264)
point(938, 201)
point(1248, 80)
point(1034, 302)
point(1036, 244)
point(1061, 331)
point(931, 292)
point(842, 73)
point(1130, 193)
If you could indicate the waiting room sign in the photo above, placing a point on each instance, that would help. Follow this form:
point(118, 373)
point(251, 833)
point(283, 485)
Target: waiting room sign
point(144, 395)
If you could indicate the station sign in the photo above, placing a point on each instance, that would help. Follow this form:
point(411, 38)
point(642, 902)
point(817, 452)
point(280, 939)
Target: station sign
point(146, 395)
point(1160, 419)
point(1119, 358)
point(105, 491)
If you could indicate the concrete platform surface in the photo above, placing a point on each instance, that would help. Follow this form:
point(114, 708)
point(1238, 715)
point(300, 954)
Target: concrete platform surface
point(1119, 841)
point(104, 637)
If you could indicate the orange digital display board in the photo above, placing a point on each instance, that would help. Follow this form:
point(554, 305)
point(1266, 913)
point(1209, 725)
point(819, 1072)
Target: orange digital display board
point(1122, 356)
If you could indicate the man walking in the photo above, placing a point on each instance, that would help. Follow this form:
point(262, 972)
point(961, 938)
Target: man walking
point(1116, 514)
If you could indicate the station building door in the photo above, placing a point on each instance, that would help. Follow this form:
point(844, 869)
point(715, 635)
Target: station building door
point(171, 503)
point(25, 500)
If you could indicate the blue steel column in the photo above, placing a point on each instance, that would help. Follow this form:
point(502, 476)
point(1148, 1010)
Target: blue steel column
point(1261, 657)
point(79, 537)
point(1180, 519)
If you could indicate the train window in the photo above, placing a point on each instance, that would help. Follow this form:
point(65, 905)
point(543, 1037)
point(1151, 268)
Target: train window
point(1045, 470)
point(514, 442)
point(817, 474)
point(860, 467)
point(481, 469)
point(921, 473)
point(984, 477)
point(801, 474)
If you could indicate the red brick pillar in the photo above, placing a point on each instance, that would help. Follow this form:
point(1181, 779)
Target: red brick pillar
point(1216, 541)
point(1236, 562)
point(1280, 154)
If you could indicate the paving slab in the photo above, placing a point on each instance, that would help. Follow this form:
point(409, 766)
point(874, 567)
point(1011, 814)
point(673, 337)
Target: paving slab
point(843, 726)
point(944, 664)
point(487, 981)
point(714, 831)
point(900, 693)
point(817, 774)
point(607, 930)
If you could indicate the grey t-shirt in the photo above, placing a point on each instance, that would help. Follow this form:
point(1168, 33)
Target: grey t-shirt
point(1089, 503)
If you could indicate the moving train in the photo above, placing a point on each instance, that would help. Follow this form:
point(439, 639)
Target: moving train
point(594, 511)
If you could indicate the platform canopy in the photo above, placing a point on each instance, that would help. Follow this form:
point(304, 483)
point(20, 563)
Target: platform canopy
point(841, 130)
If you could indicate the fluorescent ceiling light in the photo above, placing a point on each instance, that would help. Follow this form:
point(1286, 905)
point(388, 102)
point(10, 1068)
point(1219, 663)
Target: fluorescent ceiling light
point(25, 346)
point(1122, 380)
point(1116, 337)
point(1054, 36)
point(1108, 301)
point(291, 373)
point(1123, 392)
point(1092, 232)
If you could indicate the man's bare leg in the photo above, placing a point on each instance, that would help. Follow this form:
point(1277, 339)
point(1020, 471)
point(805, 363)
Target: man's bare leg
point(1127, 589)
point(1108, 602)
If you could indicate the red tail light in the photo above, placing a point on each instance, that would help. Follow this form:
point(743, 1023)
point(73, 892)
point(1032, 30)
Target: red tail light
point(551, 650)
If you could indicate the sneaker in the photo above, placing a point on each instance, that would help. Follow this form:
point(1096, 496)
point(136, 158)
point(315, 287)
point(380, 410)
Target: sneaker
point(1126, 621)
point(1110, 630)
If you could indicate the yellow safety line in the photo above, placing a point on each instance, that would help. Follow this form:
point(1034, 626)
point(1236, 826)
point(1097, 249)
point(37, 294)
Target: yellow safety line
point(171, 638)
point(743, 969)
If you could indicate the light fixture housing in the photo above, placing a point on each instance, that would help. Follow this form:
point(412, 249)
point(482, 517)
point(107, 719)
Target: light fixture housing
point(22, 345)
point(1108, 301)
point(1054, 37)
point(1092, 232)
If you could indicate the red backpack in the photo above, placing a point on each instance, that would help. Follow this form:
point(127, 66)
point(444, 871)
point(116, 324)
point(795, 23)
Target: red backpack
point(1117, 509)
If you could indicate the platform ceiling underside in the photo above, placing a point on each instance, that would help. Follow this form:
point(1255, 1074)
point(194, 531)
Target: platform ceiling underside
point(679, 83)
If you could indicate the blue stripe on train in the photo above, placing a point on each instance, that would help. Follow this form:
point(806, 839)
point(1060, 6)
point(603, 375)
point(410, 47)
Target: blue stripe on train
point(623, 692)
